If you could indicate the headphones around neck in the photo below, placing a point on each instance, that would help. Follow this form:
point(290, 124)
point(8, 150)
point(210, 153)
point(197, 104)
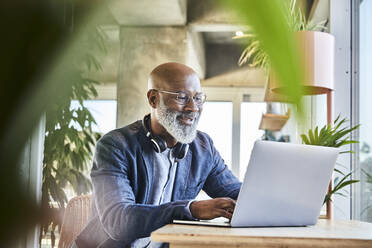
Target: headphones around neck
point(179, 151)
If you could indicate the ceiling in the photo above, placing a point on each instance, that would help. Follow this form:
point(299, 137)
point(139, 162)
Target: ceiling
point(217, 26)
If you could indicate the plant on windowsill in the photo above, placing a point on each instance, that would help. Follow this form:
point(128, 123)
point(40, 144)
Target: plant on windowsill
point(336, 136)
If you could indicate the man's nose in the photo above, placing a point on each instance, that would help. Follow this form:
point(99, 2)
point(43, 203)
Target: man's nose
point(192, 106)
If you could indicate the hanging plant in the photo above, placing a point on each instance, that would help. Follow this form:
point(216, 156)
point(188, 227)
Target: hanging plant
point(255, 56)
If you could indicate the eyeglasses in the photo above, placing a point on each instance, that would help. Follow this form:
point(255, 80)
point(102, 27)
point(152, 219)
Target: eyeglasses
point(184, 98)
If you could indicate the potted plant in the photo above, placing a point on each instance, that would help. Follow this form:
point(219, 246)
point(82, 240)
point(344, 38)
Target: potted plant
point(336, 136)
point(255, 56)
point(315, 50)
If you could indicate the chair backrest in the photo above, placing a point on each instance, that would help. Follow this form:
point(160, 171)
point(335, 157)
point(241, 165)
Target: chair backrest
point(74, 219)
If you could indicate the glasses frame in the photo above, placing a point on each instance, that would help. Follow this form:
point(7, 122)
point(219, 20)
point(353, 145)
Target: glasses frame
point(204, 96)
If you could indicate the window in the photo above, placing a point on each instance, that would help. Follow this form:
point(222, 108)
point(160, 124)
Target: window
point(103, 111)
point(227, 110)
point(216, 120)
point(365, 114)
point(251, 113)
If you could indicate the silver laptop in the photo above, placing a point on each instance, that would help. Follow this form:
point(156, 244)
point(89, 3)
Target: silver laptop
point(284, 185)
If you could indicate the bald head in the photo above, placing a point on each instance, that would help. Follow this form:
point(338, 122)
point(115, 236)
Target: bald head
point(169, 75)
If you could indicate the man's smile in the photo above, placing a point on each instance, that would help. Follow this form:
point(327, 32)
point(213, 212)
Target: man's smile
point(186, 120)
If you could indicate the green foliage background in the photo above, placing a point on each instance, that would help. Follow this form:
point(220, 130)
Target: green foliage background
point(69, 138)
point(268, 21)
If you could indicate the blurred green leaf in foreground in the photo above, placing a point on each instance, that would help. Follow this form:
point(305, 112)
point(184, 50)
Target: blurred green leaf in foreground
point(268, 20)
point(35, 74)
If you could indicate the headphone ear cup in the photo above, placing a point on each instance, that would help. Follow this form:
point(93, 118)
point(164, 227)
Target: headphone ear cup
point(158, 144)
point(180, 151)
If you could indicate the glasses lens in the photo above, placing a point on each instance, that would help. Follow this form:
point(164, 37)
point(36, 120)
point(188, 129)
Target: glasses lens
point(199, 99)
point(183, 98)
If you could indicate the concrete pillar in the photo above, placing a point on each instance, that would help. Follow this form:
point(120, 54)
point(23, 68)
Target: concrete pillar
point(142, 49)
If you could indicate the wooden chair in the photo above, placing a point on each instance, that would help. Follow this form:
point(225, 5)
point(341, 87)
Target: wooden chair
point(74, 219)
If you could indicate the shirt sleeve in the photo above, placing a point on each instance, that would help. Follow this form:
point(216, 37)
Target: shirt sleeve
point(188, 211)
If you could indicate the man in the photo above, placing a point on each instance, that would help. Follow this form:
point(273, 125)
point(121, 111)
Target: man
point(146, 174)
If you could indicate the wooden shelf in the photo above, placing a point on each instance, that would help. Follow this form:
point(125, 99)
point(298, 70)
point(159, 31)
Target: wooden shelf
point(273, 122)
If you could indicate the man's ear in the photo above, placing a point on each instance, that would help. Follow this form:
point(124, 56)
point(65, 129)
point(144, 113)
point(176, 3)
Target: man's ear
point(153, 98)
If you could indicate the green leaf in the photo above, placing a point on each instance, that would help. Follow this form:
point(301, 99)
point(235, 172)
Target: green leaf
point(346, 152)
point(339, 185)
point(336, 120)
point(337, 170)
point(267, 18)
point(346, 183)
point(305, 139)
point(316, 135)
point(311, 137)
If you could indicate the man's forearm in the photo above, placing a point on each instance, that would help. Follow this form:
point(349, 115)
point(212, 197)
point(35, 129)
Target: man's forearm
point(132, 221)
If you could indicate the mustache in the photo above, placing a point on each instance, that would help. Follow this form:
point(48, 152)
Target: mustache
point(192, 115)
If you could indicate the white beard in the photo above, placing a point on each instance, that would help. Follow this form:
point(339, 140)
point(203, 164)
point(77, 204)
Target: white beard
point(168, 119)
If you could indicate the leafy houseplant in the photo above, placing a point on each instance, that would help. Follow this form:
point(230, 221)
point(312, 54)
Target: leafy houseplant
point(336, 136)
point(69, 137)
point(255, 56)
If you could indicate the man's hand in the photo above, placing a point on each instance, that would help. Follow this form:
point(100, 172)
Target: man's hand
point(213, 208)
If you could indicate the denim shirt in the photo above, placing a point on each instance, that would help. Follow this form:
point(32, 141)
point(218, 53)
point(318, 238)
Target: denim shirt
point(122, 177)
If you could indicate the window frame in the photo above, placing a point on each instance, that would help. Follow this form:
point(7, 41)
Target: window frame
point(344, 25)
point(236, 95)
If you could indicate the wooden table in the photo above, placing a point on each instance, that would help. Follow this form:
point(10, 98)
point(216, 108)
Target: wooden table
point(326, 233)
